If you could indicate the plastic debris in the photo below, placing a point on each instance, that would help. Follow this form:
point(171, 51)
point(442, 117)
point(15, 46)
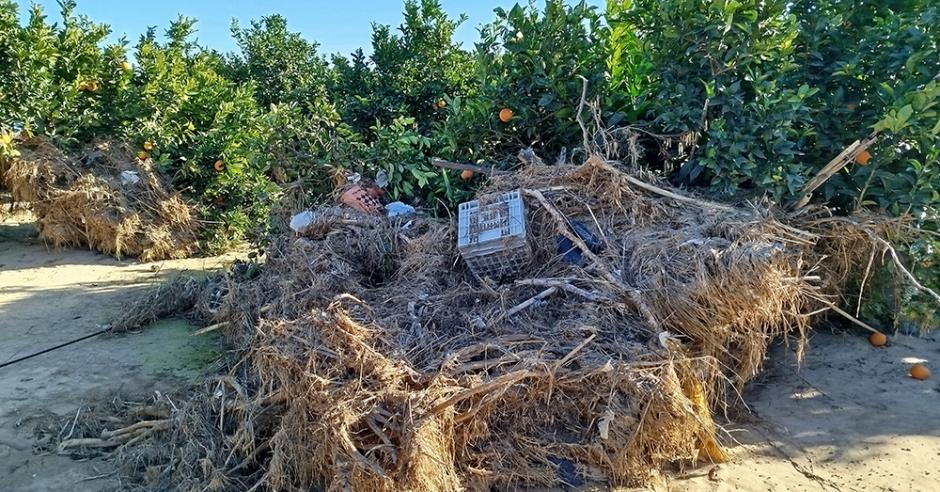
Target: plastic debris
point(567, 471)
point(300, 222)
point(381, 179)
point(573, 254)
point(129, 178)
point(360, 199)
point(491, 235)
point(396, 209)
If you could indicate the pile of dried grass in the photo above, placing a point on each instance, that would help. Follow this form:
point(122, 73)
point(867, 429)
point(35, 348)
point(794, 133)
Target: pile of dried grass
point(81, 200)
point(376, 361)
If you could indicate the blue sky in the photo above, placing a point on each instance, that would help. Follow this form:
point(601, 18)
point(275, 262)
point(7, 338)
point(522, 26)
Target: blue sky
point(339, 26)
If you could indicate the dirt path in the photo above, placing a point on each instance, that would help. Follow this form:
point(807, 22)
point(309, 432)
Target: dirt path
point(848, 420)
point(48, 297)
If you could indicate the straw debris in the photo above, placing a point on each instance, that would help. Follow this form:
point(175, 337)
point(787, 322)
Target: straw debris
point(374, 360)
point(82, 200)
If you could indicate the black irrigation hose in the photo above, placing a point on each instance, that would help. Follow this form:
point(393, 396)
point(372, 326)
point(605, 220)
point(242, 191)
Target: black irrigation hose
point(50, 349)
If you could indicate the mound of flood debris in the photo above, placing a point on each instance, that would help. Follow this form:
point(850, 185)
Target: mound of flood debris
point(103, 197)
point(375, 359)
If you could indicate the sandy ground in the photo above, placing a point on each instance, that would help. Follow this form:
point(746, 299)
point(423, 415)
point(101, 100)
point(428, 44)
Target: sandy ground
point(848, 419)
point(48, 297)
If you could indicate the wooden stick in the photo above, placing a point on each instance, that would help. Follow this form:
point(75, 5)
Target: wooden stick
point(837, 163)
point(210, 328)
point(849, 316)
point(679, 198)
point(154, 424)
point(546, 282)
point(89, 442)
point(466, 167)
point(504, 380)
point(597, 161)
point(530, 301)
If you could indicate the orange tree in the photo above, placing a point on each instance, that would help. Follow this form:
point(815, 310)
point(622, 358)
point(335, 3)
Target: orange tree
point(877, 65)
point(205, 129)
point(531, 62)
point(56, 78)
point(60, 80)
point(414, 70)
point(722, 72)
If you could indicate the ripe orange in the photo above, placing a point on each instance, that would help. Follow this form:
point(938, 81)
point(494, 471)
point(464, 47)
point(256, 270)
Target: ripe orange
point(466, 174)
point(877, 339)
point(505, 115)
point(863, 157)
point(142, 155)
point(125, 65)
point(920, 371)
point(219, 165)
point(148, 145)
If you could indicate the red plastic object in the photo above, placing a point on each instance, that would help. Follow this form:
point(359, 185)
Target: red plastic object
point(360, 199)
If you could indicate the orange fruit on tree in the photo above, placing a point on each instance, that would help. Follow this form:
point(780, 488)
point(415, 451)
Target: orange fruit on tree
point(877, 339)
point(863, 157)
point(920, 371)
point(505, 115)
point(442, 104)
point(142, 155)
point(466, 174)
point(125, 65)
point(219, 165)
point(148, 145)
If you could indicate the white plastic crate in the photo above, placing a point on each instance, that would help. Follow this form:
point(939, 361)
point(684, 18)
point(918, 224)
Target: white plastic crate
point(491, 235)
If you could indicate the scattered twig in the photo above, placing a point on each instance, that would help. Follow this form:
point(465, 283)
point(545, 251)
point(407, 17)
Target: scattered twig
point(666, 193)
point(74, 421)
point(504, 380)
point(890, 249)
point(848, 316)
point(119, 437)
point(584, 132)
point(96, 477)
point(145, 424)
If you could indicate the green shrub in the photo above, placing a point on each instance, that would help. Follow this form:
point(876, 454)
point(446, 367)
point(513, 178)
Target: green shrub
point(532, 63)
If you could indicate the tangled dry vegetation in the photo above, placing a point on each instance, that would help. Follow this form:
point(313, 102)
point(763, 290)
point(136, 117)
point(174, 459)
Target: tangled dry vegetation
point(375, 360)
point(103, 198)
